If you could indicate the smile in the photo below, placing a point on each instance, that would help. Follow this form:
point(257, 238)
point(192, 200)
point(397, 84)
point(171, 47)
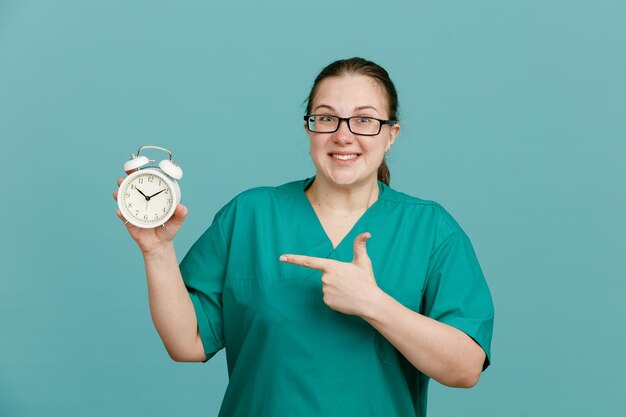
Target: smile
point(344, 157)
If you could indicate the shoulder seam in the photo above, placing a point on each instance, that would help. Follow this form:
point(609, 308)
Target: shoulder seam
point(432, 254)
point(219, 228)
point(443, 213)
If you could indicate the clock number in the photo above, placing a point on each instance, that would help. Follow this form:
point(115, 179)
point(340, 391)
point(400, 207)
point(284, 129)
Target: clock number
point(156, 216)
point(136, 212)
point(169, 201)
point(130, 204)
point(140, 181)
point(145, 217)
point(150, 178)
point(127, 194)
point(132, 186)
point(159, 183)
point(164, 209)
point(167, 191)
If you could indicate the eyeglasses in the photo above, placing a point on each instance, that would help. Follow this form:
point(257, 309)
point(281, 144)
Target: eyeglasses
point(359, 125)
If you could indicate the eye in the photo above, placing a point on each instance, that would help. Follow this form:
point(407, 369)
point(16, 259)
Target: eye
point(363, 120)
point(326, 118)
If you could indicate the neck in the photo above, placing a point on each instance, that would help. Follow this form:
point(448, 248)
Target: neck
point(343, 200)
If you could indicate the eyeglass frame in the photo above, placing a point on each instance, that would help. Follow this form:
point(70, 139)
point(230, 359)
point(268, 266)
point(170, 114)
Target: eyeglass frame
point(347, 119)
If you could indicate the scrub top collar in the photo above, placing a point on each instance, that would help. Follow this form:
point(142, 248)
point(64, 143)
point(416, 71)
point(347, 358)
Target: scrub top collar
point(328, 249)
point(381, 187)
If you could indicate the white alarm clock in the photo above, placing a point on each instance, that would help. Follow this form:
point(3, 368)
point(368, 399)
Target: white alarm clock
point(148, 196)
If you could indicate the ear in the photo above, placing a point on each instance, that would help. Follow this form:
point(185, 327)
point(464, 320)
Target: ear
point(393, 132)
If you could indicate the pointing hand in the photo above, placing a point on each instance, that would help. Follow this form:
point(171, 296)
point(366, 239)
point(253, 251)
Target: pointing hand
point(348, 287)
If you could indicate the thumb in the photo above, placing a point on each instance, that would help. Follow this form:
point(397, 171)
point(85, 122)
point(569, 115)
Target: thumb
point(177, 220)
point(360, 249)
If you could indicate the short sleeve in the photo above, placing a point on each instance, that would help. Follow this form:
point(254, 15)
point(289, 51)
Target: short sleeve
point(456, 292)
point(203, 269)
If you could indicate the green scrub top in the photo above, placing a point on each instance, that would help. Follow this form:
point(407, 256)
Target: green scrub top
point(288, 354)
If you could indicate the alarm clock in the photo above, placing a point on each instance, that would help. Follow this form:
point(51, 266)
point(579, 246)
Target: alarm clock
point(148, 196)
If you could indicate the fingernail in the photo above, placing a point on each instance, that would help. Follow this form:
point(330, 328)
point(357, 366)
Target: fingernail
point(283, 258)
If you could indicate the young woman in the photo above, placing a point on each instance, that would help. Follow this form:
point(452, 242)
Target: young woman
point(334, 295)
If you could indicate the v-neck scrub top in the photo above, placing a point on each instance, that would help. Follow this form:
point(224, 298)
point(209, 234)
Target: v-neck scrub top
point(288, 353)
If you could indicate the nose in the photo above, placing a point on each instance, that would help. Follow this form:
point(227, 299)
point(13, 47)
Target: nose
point(343, 134)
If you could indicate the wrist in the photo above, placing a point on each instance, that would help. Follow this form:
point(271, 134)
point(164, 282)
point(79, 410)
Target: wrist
point(375, 304)
point(158, 252)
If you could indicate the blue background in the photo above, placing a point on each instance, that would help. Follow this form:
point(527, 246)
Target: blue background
point(512, 118)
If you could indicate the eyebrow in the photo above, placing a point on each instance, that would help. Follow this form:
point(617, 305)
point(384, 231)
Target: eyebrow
point(356, 108)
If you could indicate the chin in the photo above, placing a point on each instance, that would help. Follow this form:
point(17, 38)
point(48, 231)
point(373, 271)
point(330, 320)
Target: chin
point(345, 179)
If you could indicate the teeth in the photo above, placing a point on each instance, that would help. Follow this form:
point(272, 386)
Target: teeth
point(344, 157)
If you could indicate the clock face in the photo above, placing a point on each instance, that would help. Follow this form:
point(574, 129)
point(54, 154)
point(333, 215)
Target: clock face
point(146, 199)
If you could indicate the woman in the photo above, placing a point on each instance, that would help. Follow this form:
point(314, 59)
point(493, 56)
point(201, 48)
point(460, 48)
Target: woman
point(335, 295)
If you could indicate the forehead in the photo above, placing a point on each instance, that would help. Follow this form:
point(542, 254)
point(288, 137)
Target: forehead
point(348, 91)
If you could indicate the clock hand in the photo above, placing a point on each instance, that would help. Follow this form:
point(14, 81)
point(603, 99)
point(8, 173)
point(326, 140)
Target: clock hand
point(158, 193)
point(147, 198)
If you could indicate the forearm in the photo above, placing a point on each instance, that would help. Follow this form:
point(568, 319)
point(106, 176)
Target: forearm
point(171, 308)
point(438, 350)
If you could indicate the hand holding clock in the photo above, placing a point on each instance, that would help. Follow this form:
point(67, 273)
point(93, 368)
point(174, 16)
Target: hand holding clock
point(151, 240)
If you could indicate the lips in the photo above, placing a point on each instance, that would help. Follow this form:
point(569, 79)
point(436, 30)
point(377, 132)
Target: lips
point(344, 153)
point(344, 160)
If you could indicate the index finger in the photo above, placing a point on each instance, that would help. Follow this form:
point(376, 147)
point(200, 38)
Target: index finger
point(312, 262)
